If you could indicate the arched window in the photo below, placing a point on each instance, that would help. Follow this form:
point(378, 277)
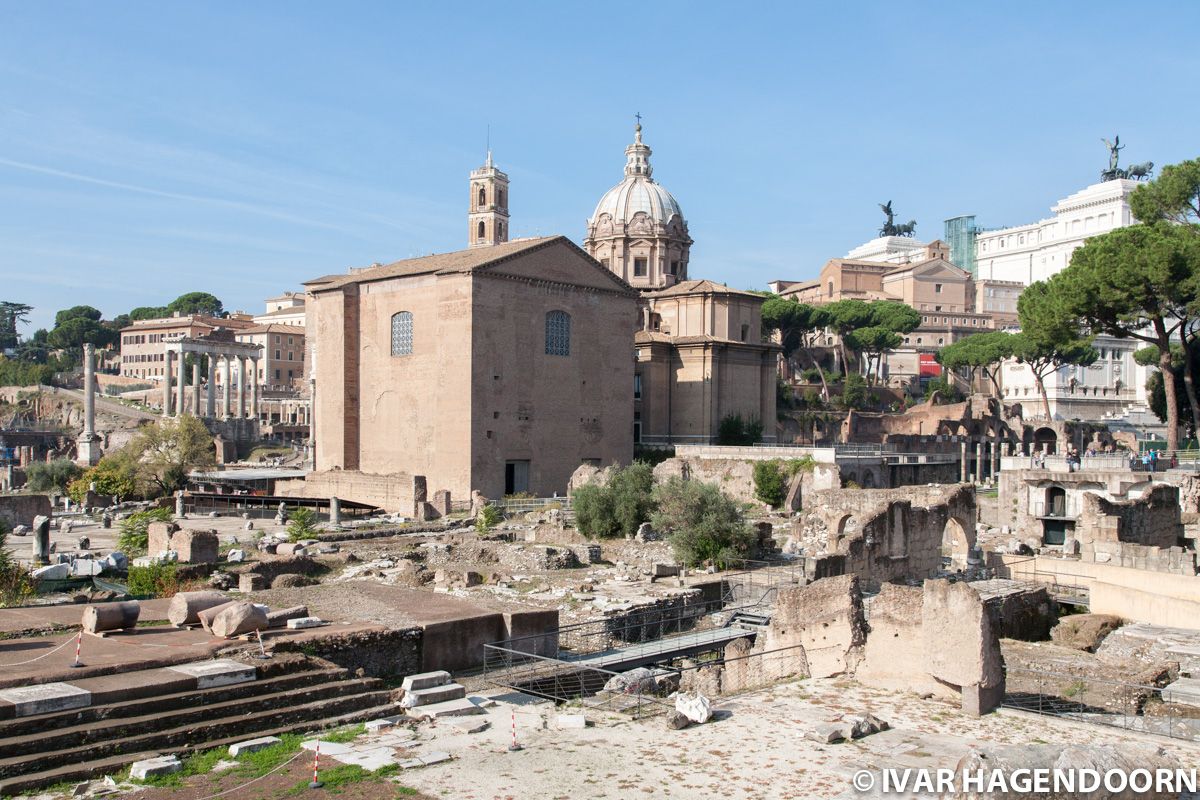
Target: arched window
point(479, 235)
point(482, 197)
point(558, 333)
point(502, 201)
point(402, 333)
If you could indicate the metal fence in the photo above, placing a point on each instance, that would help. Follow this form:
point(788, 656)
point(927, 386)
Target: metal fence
point(1066, 587)
point(1130, 706)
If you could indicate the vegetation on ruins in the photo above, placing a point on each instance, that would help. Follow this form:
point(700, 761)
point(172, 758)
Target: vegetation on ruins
point(701, 522)
point(114, 476)
point(15, 585)
point(302, 524)
point(487, 518)
point(134, 536)
point(856, 394)
point(983, 352)
point(12, 314)
point(618, 507)
point(733, 430)
point(1140, 283)
point(155, 580)
point(167, 450)
point(798, 325)
point(51, 476)
point(772, 478)
point(1050, 335)
point(944, 390)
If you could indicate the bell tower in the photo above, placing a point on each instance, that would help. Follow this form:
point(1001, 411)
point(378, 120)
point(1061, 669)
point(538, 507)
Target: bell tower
point(488, 218)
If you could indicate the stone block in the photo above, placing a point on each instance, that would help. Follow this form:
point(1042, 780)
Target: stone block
point(54, 572)
point(153, 767)
point(159, 537)
point(218, 672)
point(570, 721)
point(436, 757)
point(251, 582)
point(433, 695)
point(665, 570)
point(979, 700)
point(380, 725)
point(826, 733)
point(302, 623)
point(450, 708)
point(253, 745)
point(441, 502)
point(425, 680)
point(45, 698)
point(86, 567)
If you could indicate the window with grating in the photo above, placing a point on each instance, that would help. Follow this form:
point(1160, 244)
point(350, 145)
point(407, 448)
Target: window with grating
point(402, 333)
point(558, 333)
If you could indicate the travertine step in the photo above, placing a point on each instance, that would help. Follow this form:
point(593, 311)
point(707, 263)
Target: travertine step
point(1185, 691)
point(238, 725)
point(425, 680)
point(294, 682)
point(434, 694)
point(100, 730)
point(449, 708)
point(114, 764)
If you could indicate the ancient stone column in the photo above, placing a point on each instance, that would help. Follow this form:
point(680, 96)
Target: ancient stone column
point(978, 462)
point(962, 470)
point(169, 361)
point(225, 393)
point(89, 390)
point(180, 388)
point(241, 387)
point(196, 386)
point(253, 388)
point(335, 511)
point(210, 393)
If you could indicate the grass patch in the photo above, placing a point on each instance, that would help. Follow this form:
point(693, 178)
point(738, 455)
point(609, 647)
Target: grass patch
point(342, 775)
point(344, 735)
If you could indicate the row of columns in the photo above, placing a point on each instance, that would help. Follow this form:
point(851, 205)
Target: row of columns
point(174, 403)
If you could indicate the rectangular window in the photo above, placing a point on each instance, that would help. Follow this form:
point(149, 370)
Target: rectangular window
point(674, 267)
point(937, 287)
point(276, 374)
point(277, 358)
point(289, 340)
point(637, 387)
point(290, 354)
point(639, 267)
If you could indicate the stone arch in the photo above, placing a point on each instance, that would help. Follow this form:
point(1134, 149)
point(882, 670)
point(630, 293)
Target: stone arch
point(1046, 439)
point(957, 541)
point(868, 479)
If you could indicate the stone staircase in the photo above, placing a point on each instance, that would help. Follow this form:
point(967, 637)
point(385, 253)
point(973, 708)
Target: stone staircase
point(50, 735)
point(433, 694)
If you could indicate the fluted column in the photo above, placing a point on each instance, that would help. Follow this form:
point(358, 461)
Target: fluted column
point(179, 387)
point(225, 394)
point(168, 368)
point(210, 393)
point(241, 387)
point(254, 388)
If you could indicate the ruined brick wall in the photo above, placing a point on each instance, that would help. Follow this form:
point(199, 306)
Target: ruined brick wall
point(885, 535)
point(1152, 520)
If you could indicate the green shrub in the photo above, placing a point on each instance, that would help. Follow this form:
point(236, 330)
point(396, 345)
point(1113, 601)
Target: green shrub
point(134, 538)
point(770, 485)
point(946, 391)
point(114, 476)
point(702, 523)
point(302, 524)
point(487, 518)
point(617, 508)
point(15, 585)
point(855, 394)
point(51, 476)
point(733, 430)
point(157, 580)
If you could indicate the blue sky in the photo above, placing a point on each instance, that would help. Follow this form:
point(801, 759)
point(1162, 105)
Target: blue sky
point(148, 149)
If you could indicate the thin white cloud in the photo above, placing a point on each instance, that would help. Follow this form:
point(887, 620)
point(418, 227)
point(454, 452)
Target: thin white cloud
point(192, 198)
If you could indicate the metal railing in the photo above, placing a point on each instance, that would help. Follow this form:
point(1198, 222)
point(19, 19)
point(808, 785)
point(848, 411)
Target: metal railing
point(1131, 706)
point(1066, 587)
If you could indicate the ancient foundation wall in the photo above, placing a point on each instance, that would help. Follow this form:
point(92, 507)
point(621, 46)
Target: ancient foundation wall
point(392, 493)
point(1137, 595)
point(1151, 520)
point(20, 509)
point(379, 653)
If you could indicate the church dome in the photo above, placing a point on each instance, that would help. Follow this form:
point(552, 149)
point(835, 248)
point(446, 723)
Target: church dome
point(637, 193)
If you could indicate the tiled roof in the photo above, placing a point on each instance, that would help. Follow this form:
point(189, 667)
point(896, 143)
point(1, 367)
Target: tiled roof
point(467, 260)
point(700, 287)
point(291, 330)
